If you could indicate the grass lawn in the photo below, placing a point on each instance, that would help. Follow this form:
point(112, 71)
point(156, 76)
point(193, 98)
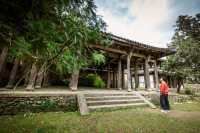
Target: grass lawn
point(118, 121)
point(194, 106)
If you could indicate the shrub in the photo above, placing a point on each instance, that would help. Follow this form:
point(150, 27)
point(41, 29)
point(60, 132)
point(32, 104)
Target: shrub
point(66, 82)
point(188, 91)
point(96, 80)
point(48, 104)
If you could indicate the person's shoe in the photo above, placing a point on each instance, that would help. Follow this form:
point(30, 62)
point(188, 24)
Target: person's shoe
point(167, 111)
point(164, 111)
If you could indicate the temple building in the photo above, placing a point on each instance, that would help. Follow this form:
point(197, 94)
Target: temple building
point(130, 64)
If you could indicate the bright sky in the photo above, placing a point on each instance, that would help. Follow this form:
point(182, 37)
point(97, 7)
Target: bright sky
point(147, 21)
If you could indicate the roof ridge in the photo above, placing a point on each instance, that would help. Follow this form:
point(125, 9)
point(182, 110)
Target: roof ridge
point(133, 41)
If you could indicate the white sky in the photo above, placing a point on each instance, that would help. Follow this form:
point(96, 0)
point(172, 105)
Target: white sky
point(147, 21)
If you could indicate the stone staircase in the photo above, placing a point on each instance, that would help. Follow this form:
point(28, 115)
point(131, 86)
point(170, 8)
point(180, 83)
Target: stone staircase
point(94, 101)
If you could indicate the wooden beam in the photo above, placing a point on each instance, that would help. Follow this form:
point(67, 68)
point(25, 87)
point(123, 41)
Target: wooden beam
point(153, 61)
point(138, 55)
point(109, 49)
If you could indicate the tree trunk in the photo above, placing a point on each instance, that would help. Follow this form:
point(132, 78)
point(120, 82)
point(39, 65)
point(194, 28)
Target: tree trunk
point(74, 80)
point(3, 57)
point(46, 79)
point(179, 83)
point(178, 87)
point(40, 76)
point(26, 79)
point(32, 78)
point(13, 74)
point(26, 73)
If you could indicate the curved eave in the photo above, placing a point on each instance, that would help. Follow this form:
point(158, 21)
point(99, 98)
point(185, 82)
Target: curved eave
point(161, 52)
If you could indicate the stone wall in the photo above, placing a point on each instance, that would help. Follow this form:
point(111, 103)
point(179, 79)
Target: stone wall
point(173, 98)
point(194, 88)
point(13, 104)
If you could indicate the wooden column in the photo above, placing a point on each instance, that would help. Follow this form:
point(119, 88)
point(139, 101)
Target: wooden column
point(131, 80)
point(111, 80)
point(108, 78)
point(136, 76)
point(119, 79)
point(156, 75)
point(146, 73)
point(128, 72)
point(114, 79)
point(123, 82)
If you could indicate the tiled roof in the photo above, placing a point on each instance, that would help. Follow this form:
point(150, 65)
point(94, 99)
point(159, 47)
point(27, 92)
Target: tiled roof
point(138, 44)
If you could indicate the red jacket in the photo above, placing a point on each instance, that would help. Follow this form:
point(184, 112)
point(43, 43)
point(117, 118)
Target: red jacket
point(164, 89)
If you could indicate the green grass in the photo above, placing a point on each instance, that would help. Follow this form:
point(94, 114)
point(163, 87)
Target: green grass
point(191, 106)
point(118, 121)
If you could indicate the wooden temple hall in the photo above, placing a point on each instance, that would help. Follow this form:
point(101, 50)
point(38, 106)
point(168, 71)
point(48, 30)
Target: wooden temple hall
point(130, 65)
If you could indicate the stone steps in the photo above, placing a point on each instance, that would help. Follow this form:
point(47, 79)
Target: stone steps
point(94, 101)
point(110, 102)
point(110, 98)
point(113, 100)
point(107, 94)
point(117, 106)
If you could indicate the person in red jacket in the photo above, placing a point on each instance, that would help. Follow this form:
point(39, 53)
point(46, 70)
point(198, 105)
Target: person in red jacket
point(164, 102)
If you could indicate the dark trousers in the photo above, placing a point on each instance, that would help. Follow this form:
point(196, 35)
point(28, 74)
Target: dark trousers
point(164, 102)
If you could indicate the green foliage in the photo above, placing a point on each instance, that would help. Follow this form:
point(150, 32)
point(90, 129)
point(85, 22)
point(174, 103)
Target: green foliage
point(186, 41)
point(188, 92)
point(47, 104)
point(56, 32)
point(98, 58)
point(96, 80)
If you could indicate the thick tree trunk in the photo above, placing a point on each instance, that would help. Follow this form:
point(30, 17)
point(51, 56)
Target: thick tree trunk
point(40, 76)
point(74, 80)
point(32, 78)
point(178, 88)
point(26, 79)
point(46, 79)
point(13, 74)
point(3, 57)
